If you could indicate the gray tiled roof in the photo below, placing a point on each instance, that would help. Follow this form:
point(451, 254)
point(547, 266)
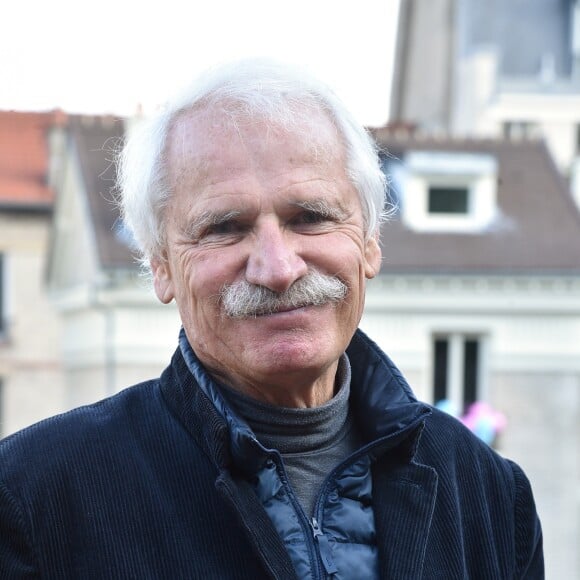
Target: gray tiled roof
point(541, 233)
point(95, 141)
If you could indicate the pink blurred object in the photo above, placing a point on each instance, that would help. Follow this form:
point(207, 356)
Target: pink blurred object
point(484, 421)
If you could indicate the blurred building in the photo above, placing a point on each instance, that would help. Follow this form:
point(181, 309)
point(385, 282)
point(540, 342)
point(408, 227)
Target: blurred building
point(472, 303)
point(31, 377)
point(491, 68)
point(480, 293)
point(479, 300)
point(78, 322)
point(115, 332)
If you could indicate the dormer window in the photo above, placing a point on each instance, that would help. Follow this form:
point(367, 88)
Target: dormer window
point(448, 192)
point(454, 200)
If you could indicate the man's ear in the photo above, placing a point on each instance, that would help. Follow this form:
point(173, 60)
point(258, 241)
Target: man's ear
point(373, 256)
point(162, 281)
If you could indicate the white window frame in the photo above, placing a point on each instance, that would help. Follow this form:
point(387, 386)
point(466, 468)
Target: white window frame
point(455, 388)
point(475, 172)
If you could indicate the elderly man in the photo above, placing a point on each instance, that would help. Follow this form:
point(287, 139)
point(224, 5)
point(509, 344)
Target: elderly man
point(280, 442)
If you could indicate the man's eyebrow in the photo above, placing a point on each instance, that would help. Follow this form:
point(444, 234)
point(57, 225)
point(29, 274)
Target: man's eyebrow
point(323, 208)
point(209, 218)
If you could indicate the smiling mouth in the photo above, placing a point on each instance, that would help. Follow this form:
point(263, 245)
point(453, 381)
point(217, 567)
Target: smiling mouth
point(283, 310)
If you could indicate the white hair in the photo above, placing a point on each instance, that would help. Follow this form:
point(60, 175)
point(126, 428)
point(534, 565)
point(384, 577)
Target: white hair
point(270, 91)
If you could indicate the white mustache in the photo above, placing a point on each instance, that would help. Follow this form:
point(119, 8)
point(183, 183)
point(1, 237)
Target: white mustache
point(243, 300)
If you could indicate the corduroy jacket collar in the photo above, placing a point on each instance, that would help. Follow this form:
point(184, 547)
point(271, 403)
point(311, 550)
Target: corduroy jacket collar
point(381, 399)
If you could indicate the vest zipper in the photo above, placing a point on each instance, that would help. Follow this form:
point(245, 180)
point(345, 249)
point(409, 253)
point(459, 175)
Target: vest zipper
point(314, 553)
point(323, 548)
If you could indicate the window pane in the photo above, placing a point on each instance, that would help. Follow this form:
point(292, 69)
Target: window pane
point(448, 200)
point(470, 371)
point(520, 130)
point(440, 350)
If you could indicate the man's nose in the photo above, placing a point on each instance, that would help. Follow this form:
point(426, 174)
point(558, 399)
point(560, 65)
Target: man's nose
point(273, 261)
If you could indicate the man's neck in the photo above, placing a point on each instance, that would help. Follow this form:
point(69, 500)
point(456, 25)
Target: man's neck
point(296, 392)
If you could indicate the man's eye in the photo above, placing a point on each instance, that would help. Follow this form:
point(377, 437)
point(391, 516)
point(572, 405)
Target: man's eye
point(225, 228)
point(311, 217)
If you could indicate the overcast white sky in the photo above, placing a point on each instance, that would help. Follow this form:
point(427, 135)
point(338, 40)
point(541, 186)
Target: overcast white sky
point(109, 56)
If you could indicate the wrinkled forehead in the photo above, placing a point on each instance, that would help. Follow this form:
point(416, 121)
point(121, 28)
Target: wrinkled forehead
point(284, 111)
point(197, 135)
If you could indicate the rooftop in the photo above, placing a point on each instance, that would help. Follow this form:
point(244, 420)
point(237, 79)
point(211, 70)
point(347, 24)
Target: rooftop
point(539, 227)
point(24, 159)
point(96, 141)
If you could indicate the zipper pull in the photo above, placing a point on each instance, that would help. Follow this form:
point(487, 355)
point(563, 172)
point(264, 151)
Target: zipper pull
point(323, 548)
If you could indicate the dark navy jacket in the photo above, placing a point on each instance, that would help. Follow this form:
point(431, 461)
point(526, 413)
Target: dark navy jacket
point(144, 485)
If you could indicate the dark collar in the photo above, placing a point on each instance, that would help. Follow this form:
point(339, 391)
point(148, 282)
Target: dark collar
point(382, 401)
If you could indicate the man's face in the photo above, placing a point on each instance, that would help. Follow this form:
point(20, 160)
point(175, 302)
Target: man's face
point(259, 204)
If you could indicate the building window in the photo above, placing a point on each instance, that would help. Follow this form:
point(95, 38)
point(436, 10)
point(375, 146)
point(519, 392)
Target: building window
point(457, 369)
point(450, 192)
point(440, 369)
point(448, 200)
point(518, 130)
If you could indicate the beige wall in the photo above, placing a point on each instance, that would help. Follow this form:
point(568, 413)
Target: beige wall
point(544, 438)
point(113, 339)
point(30, 367)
